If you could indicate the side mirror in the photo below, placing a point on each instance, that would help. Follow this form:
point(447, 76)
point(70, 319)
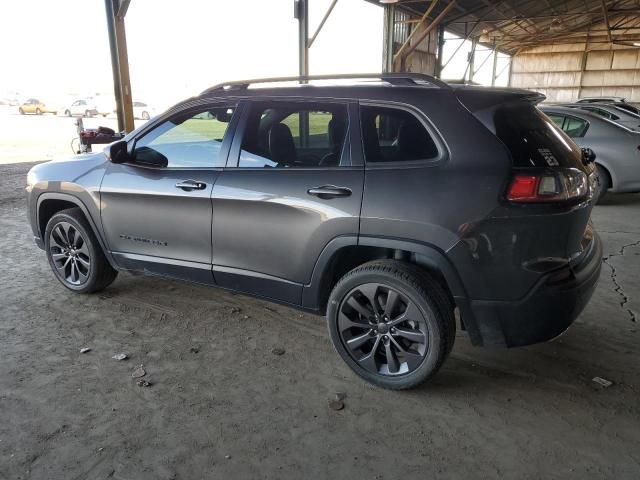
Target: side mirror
point(588, 156)
point(117, 152)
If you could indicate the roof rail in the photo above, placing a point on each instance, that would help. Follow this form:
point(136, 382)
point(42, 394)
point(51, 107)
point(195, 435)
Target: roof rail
point(391, 78)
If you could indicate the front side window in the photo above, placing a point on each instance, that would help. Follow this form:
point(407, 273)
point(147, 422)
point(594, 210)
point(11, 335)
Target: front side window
point(191, 139)
point(285, 135)
point(394, 135)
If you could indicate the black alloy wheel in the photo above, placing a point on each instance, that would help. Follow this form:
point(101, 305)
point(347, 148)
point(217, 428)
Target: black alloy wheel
point(383, 330)
point(70, 254)
point(391, 322)
point(75, 254)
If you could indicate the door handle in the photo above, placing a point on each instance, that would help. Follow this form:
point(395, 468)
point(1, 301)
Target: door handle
point(189, 185)
point(329, 191)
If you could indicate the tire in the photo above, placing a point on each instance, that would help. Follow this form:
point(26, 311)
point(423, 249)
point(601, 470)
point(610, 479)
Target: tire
point(145, 115)
point(421, 342)
point(21, 111)
point(72, 247)
point(605, 183)
point(87, 113)
point(67, 113)
point(38, 111)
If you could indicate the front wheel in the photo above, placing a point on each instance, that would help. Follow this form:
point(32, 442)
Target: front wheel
point(391, 322)
point(21, 111)
point(74, 254)
point(38, 111)
point(145, 116)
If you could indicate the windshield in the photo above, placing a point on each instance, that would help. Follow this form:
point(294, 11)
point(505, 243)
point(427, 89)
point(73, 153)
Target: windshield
point(533, 139)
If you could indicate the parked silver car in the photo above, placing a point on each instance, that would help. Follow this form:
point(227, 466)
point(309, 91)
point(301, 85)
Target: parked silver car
point(617, 148)
point(619, 102)
point(611, 111)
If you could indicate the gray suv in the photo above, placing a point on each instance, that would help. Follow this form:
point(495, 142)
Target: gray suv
point(396, 204)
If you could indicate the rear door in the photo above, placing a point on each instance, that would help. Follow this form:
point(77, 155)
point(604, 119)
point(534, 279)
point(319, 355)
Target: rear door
point(293, 183)
point(156, 210)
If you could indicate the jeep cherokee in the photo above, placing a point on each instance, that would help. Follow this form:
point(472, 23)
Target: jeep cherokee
point(390, 203)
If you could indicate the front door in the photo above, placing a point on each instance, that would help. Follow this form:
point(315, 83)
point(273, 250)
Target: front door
point(292, 185)
point(156, 210)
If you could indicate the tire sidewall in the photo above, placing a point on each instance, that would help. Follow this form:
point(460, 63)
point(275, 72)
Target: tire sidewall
point(91, 245)
point(432, 360)
point(603, 182)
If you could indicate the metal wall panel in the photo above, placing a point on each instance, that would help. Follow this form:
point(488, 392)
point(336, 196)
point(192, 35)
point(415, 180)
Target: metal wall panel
point(566, 72)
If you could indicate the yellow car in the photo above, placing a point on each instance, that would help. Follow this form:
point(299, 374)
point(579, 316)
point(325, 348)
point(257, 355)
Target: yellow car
point(35, 106)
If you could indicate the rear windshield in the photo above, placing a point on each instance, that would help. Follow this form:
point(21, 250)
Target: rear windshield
point(533, 139)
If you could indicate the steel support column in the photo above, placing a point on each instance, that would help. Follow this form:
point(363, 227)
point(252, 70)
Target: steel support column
point(472, 59)
point(387, 51)
point(495, 65)
point(302, 14)
point(116, 10)
point(439, 65)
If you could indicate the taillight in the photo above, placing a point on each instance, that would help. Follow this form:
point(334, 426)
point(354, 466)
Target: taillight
point(557, 186)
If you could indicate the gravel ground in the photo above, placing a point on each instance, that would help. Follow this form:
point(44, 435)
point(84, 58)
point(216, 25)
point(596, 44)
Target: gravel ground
point(221, 404)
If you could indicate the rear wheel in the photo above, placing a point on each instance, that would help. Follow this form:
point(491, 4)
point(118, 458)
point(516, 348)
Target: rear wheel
point(604, 182)
point(145, 115)
point(21, 111)
point(391, 322)
point(38, 111)
point(74, 253)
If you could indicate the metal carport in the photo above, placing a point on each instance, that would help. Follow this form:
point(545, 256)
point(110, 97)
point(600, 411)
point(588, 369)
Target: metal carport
point(565, 49)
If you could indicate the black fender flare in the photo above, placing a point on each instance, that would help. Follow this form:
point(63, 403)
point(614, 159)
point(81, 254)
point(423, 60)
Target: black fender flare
point(80, 204)
point(426, 254)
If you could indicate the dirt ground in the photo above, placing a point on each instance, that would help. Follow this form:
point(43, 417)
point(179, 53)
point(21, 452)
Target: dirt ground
point(223, 406)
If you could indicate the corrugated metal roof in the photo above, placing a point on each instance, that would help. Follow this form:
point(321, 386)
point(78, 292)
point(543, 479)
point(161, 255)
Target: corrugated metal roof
point(516, 24)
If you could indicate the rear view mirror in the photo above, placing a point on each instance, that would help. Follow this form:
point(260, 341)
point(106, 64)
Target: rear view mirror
point(117, 152)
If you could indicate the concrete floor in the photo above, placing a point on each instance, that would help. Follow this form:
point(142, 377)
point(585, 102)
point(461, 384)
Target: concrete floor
point(221, 405)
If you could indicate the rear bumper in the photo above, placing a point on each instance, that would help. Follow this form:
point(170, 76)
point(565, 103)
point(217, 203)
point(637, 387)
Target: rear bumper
point(545, 312)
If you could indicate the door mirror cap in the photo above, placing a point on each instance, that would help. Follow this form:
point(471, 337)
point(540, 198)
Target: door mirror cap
point(118, 152)
point(588, 156)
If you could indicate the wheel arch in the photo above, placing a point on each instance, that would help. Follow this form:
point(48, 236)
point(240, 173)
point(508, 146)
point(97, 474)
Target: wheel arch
point(610, 175)
point(347, 252)
point(51, 203)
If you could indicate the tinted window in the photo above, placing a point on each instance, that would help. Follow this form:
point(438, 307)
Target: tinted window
point(191, 139)
point(557, 119)
point(294, 135)
point(394, 135)
point(575, 127)
point(602, 113)
point(533, 138)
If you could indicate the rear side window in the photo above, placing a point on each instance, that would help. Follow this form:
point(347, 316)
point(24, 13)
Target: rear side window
point(533, 139)
point(602, 113)
point(394, 135)
point(294, 135)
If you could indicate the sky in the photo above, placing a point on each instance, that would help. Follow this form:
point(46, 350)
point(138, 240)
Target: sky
point(177, 49)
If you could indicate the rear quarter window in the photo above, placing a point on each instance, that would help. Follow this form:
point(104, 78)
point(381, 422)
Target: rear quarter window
point(392, 135)
point(533, 139)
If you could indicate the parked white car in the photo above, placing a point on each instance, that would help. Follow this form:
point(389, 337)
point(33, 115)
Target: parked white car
point(81, 108)
point(142, 110)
